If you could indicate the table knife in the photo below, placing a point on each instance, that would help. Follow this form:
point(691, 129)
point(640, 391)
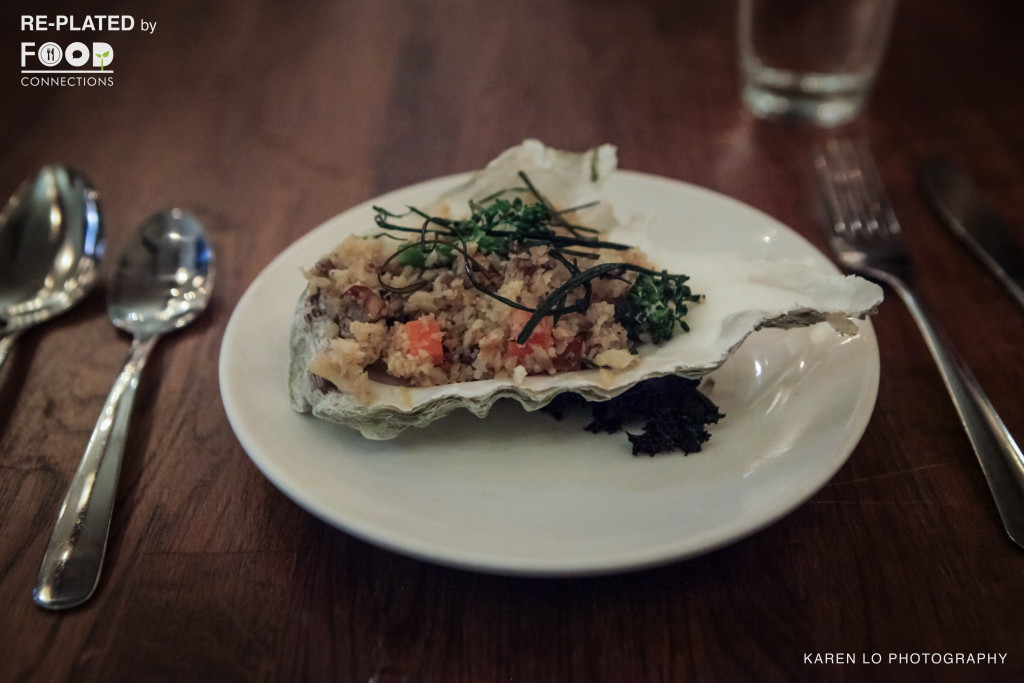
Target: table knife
point(960, 205)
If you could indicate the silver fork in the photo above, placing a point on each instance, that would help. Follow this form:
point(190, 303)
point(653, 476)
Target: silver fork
point(866, 238)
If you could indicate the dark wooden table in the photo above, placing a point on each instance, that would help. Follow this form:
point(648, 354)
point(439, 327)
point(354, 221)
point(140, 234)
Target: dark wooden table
point(266, 119)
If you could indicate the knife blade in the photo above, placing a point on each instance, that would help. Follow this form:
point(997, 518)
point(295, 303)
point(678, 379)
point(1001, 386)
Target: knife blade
point(967, 214)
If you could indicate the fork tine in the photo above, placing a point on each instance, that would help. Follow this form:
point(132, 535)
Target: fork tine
point(860, 203)
point(828, 187)
point(853, 190)
point(846, 186)
point(876, 198)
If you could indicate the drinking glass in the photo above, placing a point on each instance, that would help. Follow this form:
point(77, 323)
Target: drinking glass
point(812, 61)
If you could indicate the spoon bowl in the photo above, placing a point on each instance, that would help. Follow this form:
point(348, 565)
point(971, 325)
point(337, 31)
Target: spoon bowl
point(163, 278)
point(51, 245)
point(162, 281)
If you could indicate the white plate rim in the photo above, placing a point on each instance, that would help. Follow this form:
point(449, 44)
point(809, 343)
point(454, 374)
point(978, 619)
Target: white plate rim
point(250, 425)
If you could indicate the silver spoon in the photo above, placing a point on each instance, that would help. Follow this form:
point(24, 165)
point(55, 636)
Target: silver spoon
point(51, 245)
point(162, 282)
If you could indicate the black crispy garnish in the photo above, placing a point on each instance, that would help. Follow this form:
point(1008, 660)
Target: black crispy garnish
point(497, 223)
point(673, 411)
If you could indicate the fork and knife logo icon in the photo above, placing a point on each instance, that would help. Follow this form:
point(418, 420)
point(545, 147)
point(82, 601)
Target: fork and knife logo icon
point(76, 54)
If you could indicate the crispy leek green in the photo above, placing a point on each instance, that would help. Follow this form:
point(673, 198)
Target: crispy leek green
point(656, 303)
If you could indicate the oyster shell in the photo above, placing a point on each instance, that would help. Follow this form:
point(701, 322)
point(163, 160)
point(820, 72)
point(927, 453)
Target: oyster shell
point(741, 296)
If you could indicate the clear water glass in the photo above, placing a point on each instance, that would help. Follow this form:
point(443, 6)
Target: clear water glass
point(811, 61)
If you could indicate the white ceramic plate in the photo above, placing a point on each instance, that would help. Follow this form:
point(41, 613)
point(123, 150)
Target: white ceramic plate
point(520, 493)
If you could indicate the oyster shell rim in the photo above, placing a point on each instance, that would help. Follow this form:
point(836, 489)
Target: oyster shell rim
point(388, 422)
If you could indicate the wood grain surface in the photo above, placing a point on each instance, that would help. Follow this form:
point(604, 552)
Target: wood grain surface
point(265, 119)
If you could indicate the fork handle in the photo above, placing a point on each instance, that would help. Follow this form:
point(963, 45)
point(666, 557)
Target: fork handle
point(1000, 457)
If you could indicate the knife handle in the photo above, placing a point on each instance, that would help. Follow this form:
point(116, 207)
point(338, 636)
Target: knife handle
point(1001, 459)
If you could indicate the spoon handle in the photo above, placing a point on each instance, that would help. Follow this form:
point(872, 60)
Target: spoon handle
point(6, 342)
point(74, 556)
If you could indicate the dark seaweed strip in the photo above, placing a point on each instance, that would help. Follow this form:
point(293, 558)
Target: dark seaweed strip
point(531, 225)
point(583, 278)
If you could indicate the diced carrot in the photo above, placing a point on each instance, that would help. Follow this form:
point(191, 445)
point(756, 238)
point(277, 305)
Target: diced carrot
point(540, 337)
point(424, 335)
